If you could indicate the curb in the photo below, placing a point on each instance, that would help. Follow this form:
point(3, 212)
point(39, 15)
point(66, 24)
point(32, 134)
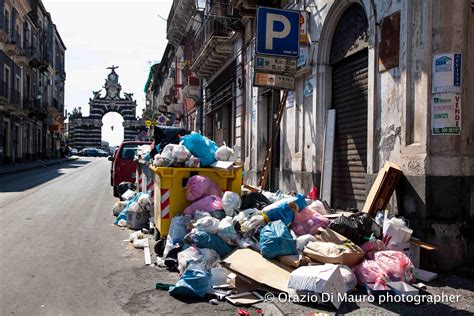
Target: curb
point(45, 164)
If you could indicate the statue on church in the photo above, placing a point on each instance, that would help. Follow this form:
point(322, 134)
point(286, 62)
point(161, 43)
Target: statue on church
point(96, 94)
point(128, 96)
point(113, 67)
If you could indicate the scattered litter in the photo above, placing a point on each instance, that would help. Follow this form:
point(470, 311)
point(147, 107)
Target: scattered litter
point(147, 255)
point(214, 301)
point(425, 276)
point(246, 298)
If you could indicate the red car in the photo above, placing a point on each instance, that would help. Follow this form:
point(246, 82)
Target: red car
point(123, 166)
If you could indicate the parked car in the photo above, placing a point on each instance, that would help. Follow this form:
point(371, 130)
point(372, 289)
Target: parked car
point(92, 152)
point(123, 166)
point(73, 151)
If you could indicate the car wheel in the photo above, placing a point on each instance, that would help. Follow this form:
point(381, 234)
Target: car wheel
point(116, 194)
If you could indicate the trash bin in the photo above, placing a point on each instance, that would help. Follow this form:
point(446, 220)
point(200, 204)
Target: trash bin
point(169, 190)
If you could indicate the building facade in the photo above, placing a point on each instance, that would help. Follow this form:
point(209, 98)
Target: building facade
point(86, 131)
point(32, 74)
point(390, 80)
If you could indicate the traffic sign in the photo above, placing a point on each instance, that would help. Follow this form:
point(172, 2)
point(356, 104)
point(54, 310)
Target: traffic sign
point(275, 64)
point(278, 32)
point(262, 79)
point(162, 120)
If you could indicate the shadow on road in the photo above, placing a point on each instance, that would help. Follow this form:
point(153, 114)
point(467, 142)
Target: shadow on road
point(26, 180)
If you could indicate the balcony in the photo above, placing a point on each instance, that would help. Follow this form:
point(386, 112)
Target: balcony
point(191, 88)
point(12, 46)
point(213, 45)
point(180, 14)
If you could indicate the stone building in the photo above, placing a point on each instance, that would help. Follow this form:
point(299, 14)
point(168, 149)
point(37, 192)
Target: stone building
point(32, 76)
point(85, 131)
point(395, 75)
point(379, 65)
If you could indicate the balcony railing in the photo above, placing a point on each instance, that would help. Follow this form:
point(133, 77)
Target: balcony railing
point(214, 26)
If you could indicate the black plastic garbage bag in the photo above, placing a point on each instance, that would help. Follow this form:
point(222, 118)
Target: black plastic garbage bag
point(347, 227)
point(124, 186)
point(254, 200)
point(367, 226)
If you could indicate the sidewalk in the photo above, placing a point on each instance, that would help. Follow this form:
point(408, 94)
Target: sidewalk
point(24, 166)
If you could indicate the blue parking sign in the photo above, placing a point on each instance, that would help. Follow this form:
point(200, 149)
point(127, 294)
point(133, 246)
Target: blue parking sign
point(278, 32)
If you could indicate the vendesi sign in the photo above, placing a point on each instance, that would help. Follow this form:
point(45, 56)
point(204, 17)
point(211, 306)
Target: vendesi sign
point(446, 73)
point(446, 114)
point(278, 32)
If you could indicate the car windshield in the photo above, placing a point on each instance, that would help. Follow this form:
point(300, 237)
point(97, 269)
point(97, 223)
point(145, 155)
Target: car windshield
point(128, 151)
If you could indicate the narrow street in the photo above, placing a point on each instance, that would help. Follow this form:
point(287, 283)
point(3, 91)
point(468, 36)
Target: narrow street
point(61, 254)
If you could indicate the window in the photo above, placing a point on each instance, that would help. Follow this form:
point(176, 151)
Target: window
point(28, 87)
point(7, 23)
point(6, 78)
point(17, 90)
point(128, 151)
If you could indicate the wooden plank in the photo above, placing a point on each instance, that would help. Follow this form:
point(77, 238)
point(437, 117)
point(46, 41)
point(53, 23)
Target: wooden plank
point(423, 244)
point(328, 155)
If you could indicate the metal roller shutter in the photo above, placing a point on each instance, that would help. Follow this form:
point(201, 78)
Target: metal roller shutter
point(349, 99)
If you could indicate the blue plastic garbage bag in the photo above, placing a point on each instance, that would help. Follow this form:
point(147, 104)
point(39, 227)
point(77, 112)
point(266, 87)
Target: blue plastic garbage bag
point(201, 147)
point(202, 239)
point(276, 240)
point(284, 209)
point(193, 283)
point(123, 214)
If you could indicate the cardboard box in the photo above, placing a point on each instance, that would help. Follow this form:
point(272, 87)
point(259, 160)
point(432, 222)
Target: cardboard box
point(252, 265)
point(382, 189)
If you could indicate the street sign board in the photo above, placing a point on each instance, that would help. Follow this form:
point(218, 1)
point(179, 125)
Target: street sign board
point(277, 81)
point(275, 64)
point(278, 32)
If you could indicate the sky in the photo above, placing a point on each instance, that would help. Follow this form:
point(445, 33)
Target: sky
point(101, 33)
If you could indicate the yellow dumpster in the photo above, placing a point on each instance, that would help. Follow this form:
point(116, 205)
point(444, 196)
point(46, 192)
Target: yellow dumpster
point(169, 187)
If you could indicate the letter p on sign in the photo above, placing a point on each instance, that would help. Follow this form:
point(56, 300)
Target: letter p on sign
point(271, 33)
point(277, 32)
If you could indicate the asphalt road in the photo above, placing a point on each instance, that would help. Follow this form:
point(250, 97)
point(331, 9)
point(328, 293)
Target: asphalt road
point(60, 254)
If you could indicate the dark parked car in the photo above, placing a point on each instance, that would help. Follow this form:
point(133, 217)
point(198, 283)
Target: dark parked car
point(92, 152)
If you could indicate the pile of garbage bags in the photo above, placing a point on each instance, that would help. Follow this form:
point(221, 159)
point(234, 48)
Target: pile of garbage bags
point(193, 151)
point(292, 229)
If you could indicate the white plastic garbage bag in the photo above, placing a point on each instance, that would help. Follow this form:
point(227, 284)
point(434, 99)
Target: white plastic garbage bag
point(350, 279)
point(207, 224)
point(227, 231)
point(231, 202)
point(145, 202)
point(118, 207)
point(225, 153)
point(181, 153)
point(317, 280)
point(303, 240)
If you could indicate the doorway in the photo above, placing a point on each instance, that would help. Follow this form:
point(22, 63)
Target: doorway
point(349, 62)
